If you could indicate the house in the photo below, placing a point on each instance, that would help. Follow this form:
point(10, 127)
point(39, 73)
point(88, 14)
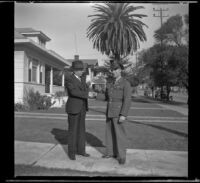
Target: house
point(34, 65)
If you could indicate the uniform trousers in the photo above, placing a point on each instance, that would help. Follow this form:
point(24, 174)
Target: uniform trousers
point(116, 139)
point(76, 133)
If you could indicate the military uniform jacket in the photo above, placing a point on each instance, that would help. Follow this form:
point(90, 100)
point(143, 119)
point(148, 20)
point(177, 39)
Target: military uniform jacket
point(118, 98)
point(77, 94)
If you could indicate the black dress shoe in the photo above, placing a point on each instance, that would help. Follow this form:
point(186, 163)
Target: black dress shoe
point(72, 157)
point(85, 155)
point(121, 161)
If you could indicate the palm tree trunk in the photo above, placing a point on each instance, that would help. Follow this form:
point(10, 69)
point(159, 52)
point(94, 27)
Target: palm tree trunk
point(117, 57)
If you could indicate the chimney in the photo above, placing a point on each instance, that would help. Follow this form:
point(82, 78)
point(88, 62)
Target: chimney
point(76, 57)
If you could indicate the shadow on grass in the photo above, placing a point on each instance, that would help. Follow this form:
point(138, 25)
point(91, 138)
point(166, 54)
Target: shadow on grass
point(163, 128)
point(62, 138)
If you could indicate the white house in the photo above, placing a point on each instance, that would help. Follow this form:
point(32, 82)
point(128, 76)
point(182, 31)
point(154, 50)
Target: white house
point(34, 64)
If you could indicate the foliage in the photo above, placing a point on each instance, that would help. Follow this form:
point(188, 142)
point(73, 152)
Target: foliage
point(36, 101)
point(60, 94)
point(173, 31)
point(164, 65)
point(134, 80)
point(114, 30)
point(21, 107)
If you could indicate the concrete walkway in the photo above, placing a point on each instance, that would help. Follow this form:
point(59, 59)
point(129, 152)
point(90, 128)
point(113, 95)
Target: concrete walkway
point(138, 163)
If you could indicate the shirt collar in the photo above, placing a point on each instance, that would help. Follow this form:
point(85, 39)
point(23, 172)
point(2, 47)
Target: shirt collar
point(77, 76)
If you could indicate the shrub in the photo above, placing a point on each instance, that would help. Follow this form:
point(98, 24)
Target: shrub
point(60, 94)
point(21, 107)
point(36, 101)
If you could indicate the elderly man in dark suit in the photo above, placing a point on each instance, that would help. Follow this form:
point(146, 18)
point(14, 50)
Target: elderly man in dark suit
point(118, 96)
point(76, 107)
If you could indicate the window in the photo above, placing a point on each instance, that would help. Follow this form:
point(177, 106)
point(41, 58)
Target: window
point(29, 71)
point(34, 71)
point(41, 74)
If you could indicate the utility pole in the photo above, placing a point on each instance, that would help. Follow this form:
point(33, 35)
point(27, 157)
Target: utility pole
point(161, 14)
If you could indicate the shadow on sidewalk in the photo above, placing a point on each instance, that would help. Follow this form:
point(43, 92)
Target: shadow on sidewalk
point(62, 137)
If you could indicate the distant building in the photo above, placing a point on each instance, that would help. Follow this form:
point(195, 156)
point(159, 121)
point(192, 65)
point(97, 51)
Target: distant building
point(34, 65)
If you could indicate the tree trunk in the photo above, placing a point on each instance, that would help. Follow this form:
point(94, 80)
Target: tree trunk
point(152, 90)
point(117, 57)
point(168, 92)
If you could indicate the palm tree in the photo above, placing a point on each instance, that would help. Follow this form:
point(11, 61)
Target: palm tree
point(115, 31)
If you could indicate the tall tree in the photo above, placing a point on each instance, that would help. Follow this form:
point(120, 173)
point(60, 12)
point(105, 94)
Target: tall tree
point(115, 29)
point(173, 31)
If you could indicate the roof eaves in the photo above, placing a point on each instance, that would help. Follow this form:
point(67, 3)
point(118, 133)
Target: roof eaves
point(38, 46)
point(37, 33)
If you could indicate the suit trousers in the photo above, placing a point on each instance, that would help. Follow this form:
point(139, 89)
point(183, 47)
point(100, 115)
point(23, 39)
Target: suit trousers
point(76, 133)
point(116, 140)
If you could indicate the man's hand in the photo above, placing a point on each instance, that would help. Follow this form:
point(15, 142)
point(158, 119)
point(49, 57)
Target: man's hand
point(122, 119)
point(95, 94)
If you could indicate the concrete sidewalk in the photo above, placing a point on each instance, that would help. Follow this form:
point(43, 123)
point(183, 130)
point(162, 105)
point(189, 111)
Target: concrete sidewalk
point(138, 163)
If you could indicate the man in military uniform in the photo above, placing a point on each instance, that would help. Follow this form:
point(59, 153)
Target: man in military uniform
point(118, 96)
point(76, 107)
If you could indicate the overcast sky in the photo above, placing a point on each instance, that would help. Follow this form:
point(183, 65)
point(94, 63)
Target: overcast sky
point(66, 25)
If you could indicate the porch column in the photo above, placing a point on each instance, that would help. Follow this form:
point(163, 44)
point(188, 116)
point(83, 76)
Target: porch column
point(90, 73)
point(51, 80)
point(63, 79)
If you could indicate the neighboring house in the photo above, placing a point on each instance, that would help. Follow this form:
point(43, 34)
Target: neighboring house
point(35, 65)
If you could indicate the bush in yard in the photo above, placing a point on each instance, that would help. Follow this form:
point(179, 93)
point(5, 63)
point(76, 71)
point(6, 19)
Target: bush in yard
point(21, 107)
point(36, 101)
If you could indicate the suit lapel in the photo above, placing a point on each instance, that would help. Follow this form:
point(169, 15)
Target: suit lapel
point(77, 81)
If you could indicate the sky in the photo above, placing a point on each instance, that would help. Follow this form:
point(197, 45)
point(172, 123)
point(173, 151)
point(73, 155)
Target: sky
point(66, 25)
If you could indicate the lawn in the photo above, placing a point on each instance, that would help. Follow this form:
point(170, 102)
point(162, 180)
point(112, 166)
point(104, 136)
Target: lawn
point(160, 136)
point(149, 135)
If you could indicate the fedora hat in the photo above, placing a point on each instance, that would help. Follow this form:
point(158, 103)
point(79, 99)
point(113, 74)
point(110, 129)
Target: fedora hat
point(77, 65)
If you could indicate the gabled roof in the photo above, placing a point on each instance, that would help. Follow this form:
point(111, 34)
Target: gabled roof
point(31, 31)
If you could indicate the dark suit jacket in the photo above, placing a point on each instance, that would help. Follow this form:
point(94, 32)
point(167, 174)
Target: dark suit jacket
point(77, 94)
